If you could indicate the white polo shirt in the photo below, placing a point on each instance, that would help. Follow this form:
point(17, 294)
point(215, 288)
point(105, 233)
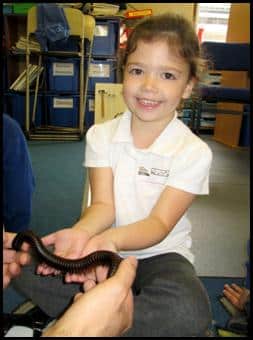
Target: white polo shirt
point(177, 158)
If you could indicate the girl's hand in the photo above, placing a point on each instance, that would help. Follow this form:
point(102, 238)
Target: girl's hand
point(98, 274)
point(68, 243)
point(237, 295)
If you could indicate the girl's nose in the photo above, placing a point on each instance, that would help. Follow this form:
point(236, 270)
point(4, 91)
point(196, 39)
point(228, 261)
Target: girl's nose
point(149, 83)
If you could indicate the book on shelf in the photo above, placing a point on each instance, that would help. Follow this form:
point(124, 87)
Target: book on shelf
point(21, 44)
point(19, 84)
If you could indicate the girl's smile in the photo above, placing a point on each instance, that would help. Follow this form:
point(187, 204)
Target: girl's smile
point(147, 104)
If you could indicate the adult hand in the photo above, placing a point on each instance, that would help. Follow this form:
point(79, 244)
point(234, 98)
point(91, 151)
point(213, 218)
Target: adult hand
point(68, 243)
point(12, 260)
point(106, 310)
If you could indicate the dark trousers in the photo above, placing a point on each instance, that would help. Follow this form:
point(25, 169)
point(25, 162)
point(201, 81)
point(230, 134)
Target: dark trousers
point(172, 301)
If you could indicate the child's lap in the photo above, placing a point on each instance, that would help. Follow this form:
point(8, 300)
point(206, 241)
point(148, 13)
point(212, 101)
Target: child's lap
point(172, 302)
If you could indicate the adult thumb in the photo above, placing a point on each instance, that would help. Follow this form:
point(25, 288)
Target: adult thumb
point(127, 271)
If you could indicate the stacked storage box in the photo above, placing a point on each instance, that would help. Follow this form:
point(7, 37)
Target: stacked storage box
point(103, 65)
point(62, 91)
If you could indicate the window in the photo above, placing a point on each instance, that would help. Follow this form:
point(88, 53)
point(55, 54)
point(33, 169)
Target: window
point(212, 21)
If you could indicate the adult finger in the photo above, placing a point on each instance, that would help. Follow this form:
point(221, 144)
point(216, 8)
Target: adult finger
point(14, 269)
point(6, 276)
point(8, 238)
point(129, 266)
point(9, 255)
point(24, 258)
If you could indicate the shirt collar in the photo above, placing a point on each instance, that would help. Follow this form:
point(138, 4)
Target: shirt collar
point(123, 132)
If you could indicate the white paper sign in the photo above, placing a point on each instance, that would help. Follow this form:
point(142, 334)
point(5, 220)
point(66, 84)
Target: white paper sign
point(91, 104)
point(63, 103)
point(99, 70)
point(63, 69)
point(101, 31)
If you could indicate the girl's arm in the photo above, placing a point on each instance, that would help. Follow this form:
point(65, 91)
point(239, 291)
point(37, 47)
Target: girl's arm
point(100, 214)
point(145, 233)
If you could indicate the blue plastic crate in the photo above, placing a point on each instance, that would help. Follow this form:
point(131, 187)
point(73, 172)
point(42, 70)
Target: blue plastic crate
point(63, 110)
point(62, 74)
point(89, 110)
point(102, 71)
point(18, 110)
point(106, 37)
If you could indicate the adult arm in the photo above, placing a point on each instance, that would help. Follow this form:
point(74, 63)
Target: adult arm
point(18, 184)
point(106, 310)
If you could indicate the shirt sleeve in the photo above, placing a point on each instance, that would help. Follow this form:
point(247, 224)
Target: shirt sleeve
point(18, 183)
point(96, 148)
point(190, 169)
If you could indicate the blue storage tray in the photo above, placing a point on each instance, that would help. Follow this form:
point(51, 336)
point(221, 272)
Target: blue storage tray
point(106, 38)
point(89, 110)
point(102, 71)
point(63, 110)
point(62, 74)
point(18, 110)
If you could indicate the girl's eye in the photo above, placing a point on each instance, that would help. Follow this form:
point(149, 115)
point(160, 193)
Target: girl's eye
point(168, 75)
point(135, 71)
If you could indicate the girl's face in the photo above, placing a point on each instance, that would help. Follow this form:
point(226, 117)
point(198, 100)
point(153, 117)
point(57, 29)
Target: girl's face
point(155, 80)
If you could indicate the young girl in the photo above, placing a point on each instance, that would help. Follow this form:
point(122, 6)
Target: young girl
point(145, 169)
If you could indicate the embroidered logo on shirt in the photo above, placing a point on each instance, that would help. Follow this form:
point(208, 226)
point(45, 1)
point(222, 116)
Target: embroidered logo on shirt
point(160, 172)
point(154, 171)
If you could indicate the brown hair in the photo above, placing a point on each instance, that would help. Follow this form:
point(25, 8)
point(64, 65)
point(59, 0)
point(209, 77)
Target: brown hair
point(177, 31)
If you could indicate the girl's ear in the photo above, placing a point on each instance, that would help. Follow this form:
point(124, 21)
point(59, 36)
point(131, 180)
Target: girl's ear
point(188, 89)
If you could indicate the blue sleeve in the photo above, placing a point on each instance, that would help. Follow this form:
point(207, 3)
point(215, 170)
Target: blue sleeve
point(18, 178)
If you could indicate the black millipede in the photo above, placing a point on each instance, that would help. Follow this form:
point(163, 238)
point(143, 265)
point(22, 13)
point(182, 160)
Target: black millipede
point(100, 257)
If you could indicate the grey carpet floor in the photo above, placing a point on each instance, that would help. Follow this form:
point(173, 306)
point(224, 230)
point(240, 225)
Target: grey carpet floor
point(221, 220)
